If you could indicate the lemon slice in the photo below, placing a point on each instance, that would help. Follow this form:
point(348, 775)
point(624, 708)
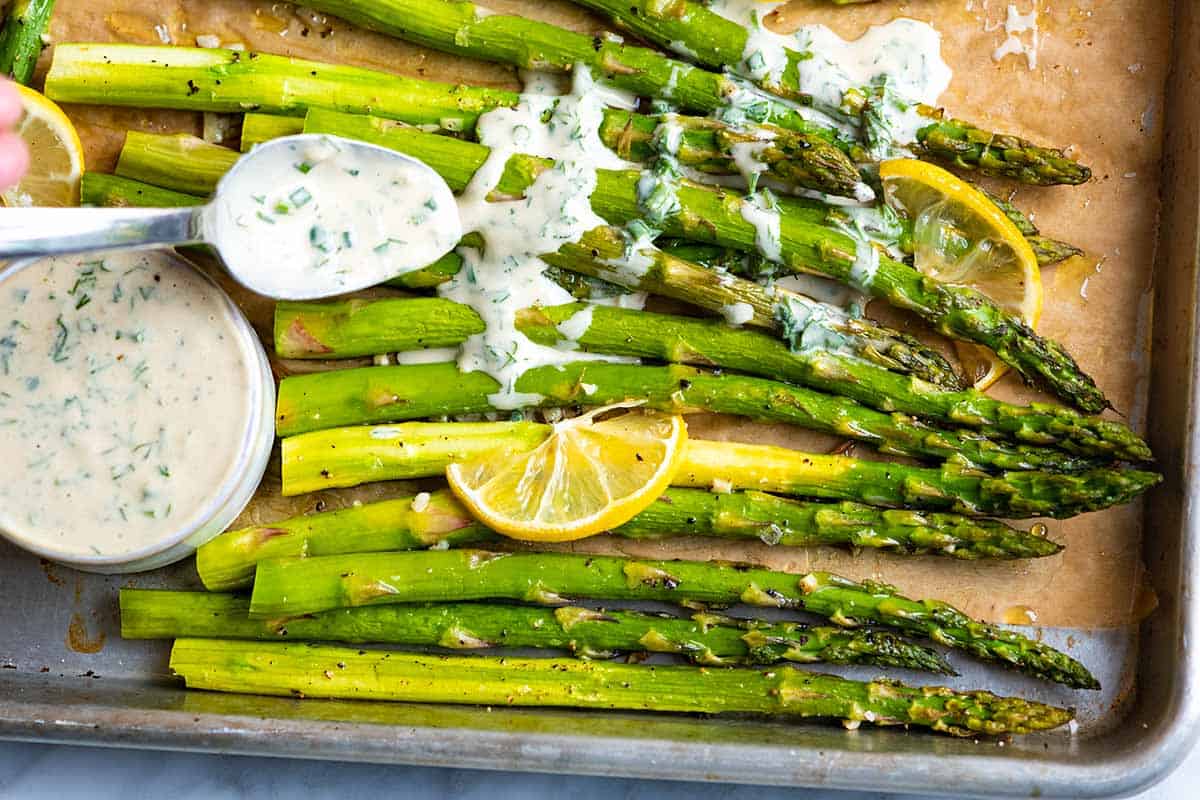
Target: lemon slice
point(961, 237)
point(592, 474)
point(56, 155)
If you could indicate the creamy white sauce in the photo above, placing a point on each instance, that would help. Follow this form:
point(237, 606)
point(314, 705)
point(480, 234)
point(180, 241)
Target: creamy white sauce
point(812, 326)
point(125, 400)
point(737, 314)
point(760, 210)
point(430, 355)
point(1015, 24)
point(747, 158)
point(507, 274)
point(317, 216)
point(904, 56)
point(821, 289)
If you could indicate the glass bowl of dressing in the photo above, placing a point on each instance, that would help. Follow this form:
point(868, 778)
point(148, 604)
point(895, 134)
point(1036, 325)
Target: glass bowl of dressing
point(136, 409)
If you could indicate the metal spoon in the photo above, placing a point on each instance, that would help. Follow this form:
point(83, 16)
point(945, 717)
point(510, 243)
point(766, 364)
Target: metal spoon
point(52, 231)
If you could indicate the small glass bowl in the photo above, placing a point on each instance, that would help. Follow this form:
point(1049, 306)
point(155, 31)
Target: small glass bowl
point(227, 500)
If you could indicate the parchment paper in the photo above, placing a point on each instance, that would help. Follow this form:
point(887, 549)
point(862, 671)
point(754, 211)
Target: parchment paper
point(1098, 86)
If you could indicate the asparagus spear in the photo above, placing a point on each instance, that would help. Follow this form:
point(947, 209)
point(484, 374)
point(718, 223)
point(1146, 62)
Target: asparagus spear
point(808, 241)
point(99, 189)
point(305, 586)
point(324, 671)
point(259, 128)
point(181, 162)
point(349, 328)
point(21, 38)
point(332, 398)
point(690, 27)
point(437, 519)
point(704, 638)
point(360, 454)
point(232, 81)
point(365, 327)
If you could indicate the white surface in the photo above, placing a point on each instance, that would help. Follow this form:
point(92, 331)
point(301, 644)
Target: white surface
point(50, 772)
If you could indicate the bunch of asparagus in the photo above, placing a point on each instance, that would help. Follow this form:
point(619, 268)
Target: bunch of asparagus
point(345, 576)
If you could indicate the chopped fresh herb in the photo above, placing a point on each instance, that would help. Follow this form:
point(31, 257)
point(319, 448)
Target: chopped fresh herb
point(300, 197)
point(303, 167)
point(59, 351)
point(264, 218)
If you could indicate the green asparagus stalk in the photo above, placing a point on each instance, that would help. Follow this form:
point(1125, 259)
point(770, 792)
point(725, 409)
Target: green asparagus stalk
point(181, 162)
point(21, 38)
point(704, 638)
point(343, 397)
point(807, 242)
point(291, 587)
point(99, 189)
point(259, 128)
point(351, 456)
point(437, 519)
point(301, 670)
point(690, 27)
point(350, 328)
point(231, 81)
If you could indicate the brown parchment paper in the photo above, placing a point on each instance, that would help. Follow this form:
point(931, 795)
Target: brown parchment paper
point(1098, 86)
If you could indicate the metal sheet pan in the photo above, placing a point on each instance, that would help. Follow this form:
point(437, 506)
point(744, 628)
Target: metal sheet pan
point(61, 681)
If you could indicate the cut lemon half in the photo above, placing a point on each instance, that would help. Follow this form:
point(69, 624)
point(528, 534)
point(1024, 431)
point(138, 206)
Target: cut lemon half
point(592, 474)
point(55, 155)
point(961, 237)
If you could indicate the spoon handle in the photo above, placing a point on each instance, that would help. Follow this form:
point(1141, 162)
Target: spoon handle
point(50, 231)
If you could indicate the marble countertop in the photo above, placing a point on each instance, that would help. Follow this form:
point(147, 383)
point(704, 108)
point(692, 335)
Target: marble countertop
point(54, 772)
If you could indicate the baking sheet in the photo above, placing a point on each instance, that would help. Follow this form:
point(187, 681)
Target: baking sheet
point(1098, 86)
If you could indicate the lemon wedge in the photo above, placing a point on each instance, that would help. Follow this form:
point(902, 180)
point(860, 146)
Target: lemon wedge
point(56, 155)
point(961, 237)
point(593, 473)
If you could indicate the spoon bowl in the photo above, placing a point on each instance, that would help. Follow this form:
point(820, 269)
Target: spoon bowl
point(298, 218)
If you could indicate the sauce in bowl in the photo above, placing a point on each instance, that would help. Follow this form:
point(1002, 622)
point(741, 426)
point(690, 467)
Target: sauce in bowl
point(132, 400)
